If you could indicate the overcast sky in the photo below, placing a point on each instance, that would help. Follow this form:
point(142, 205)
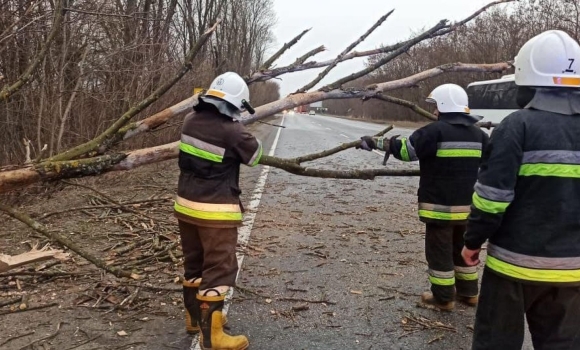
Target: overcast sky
point(337, 23)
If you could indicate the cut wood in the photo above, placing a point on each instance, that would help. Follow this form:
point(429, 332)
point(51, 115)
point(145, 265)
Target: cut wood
point(8, 262)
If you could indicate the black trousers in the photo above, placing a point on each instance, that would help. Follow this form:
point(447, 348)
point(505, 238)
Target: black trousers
point(448, 272)
point(209, 253)
point(553, 315)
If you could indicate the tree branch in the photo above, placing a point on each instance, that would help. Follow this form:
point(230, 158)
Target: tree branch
point(103, 140)
point(329, 152)
point(283, 49)
point(22, 217)
point(338, 58)
point(27, 75)
point(399, 101)
point(309, 54)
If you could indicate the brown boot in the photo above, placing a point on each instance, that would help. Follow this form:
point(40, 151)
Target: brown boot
point(212, 335)
point(190, 290)
point(427, 298)
point(469, 301)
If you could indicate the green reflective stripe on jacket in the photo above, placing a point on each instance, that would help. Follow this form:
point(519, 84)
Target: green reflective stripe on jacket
point(404, 150)
point(448, 153)
point(429, 214)
point(205, 215)
point(556, 170)
point(258, 157)
point(466, 276)
point(196, 152)
point(442, 281)
point(488, 206)
point(538, 275)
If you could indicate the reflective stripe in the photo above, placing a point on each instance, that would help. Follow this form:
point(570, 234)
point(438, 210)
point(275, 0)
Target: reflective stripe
point(194, 151)
point(380, 143)
point(442, 216)
point(459, 145)
point(466, 276)
point(523, 273)
point(533, 262)
point(257, 155)
point(494, 194)
point(555, 170)
point(448, 153)
point(209, 207)
point(552, 157)
point(466, 269)
point(441, 274)
point(204, 215)
point(445, 208)
point(442, 281)
point(404, 150)
point(202, 145)
point(411, 151)
point(488, 206)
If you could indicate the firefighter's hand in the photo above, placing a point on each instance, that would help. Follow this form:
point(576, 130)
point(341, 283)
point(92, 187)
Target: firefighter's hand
point(367, 143)
point(471, 257)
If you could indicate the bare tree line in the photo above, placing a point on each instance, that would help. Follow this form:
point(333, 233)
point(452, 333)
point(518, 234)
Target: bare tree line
point(107, 55)
point(492, 37)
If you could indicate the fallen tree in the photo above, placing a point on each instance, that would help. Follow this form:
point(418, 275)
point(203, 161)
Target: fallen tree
point(91, 158)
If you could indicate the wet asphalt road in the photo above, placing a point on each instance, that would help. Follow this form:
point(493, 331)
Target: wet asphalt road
point(337, 264)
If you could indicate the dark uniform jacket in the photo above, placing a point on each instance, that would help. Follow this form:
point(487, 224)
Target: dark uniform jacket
point(211, 150)
point(449, 152)
point(527, 199)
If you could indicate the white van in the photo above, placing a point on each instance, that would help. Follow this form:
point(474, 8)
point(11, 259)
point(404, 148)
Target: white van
point(493, 99)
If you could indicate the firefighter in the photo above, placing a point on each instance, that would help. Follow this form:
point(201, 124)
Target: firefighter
point(449, 152)
point(527, 203)
point(208, 208)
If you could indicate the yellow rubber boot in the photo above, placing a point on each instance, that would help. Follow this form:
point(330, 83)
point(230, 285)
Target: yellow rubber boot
point(190, 290)
point(212, 335)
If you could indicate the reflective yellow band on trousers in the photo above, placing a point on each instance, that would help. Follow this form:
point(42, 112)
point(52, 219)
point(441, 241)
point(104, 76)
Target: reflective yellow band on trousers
point(466, 276)
point(523, 273)
point(442, 281)
point(488, 206)
point(208, 215)
point(556, 170)
point(458, 153)
point(429, 214)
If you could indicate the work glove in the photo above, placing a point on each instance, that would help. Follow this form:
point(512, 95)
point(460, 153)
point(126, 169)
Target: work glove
point(367, 143)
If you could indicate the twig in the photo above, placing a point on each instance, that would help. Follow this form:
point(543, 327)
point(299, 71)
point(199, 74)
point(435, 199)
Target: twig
point(308, 301)
point(16, 337)
point(45, 274)
point(44, 216)
point(43, 338)
point(283, 49)
point(338, 58)
point(84, 342)
point(65, 242)
point(10, 301)
point(303, 58)
point(39, 307)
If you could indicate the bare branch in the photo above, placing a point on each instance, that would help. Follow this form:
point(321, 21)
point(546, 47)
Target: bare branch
point(283, 49)
point(340, 148)
point(388, 58)
point(338, 58)
point(399, 101)
point(27, 75)
point(309, 54)
point(102, 141)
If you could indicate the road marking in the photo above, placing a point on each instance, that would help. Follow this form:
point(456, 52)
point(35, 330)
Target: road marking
point(245, 231)
point(345, 136)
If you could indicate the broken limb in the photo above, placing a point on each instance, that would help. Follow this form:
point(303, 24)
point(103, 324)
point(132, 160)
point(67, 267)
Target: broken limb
point(8, 262)
point(65, 242)
point(283, 49)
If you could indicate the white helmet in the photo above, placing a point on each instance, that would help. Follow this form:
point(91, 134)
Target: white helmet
point(232, 88)
point(450, 98)
point(549, 59)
